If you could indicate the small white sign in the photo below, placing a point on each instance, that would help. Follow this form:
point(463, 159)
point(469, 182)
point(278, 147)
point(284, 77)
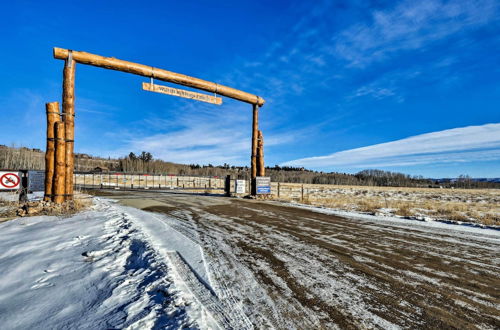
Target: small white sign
point(36, 180)
point(240, 186)
point(10, 180)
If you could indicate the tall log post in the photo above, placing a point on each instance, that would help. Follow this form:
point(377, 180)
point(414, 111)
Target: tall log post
point(261, 170)
point(255, 128)
point(59, 185)
point(53, 116)
point(69, 120)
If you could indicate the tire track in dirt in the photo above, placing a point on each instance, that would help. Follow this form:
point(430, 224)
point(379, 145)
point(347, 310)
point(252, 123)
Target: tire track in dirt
point(424, 289)
point(325, 271)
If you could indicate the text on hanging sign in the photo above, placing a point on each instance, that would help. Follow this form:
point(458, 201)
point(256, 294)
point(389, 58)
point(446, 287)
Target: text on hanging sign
point(181, 93)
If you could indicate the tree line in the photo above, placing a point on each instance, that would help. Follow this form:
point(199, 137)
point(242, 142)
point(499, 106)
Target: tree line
point(144, 162)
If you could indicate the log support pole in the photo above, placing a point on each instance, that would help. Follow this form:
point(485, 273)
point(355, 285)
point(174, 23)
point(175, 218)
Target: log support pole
point(255, 129)
point(69, 120)
point(261, 170)
point(59, 184)
point(53, 116)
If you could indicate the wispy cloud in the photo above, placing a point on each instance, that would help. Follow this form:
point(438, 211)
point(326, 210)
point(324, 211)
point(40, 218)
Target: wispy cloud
point(200, 134)
point(91, 106)
point(376, 92)
point(464, 144)
point(410, 25)
point(320, 55)
point(23, 108)
point(296, 65)
point(317, 45)
point(387, 86)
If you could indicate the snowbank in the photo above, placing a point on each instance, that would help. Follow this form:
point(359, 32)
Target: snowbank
point(99, 269)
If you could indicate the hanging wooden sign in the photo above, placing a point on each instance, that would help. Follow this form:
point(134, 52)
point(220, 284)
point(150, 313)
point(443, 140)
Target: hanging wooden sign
point(181, 93)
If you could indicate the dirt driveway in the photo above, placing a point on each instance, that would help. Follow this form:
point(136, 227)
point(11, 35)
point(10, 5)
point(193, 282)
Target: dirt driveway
point(296, 268)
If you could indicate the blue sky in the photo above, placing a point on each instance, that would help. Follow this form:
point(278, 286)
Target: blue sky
point(409, 86)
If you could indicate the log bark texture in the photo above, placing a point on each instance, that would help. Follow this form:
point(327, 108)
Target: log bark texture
point(53, 116)
point(261, 170)
point(60, 165)
point(255, 128)
point(69, 121)
point(156, 73)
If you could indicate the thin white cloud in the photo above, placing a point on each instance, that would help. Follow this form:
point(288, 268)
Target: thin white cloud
point(26, 115)
point(464, 144)
point(408, 26)
point(386, 86)
point(299, 63)
point(376, 92)
point(316, 45)
point(84, 104)
point(204, 135)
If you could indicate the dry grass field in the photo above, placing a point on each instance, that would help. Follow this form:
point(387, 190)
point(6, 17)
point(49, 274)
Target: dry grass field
point(467, 205)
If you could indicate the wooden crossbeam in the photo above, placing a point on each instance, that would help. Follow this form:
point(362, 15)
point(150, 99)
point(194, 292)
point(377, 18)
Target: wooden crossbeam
point(156, 73)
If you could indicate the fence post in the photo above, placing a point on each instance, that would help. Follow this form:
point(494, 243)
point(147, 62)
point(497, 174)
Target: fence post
point(23, 194)
point(302, 194)
point(227, 185)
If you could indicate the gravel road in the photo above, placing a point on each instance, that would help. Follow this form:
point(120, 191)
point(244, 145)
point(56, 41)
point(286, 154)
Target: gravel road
point(297, 268)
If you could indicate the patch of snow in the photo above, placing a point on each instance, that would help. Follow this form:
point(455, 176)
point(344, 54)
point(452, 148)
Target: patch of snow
point(9, 196)
point(487, 232)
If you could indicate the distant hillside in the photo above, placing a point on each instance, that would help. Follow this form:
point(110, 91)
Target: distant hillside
point(34, 159)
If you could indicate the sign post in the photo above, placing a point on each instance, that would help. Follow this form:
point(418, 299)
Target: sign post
point(263, 185)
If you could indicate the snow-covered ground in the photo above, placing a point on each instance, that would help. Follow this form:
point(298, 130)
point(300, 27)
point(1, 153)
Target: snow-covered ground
point(109, 267)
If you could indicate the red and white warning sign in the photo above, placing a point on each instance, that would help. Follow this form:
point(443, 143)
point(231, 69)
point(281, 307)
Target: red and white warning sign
point(9, 180)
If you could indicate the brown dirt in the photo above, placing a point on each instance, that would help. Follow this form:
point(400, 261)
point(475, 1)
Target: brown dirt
point(324, 271)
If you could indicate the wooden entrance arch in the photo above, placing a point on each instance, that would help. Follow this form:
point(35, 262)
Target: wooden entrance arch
point(60, 126)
